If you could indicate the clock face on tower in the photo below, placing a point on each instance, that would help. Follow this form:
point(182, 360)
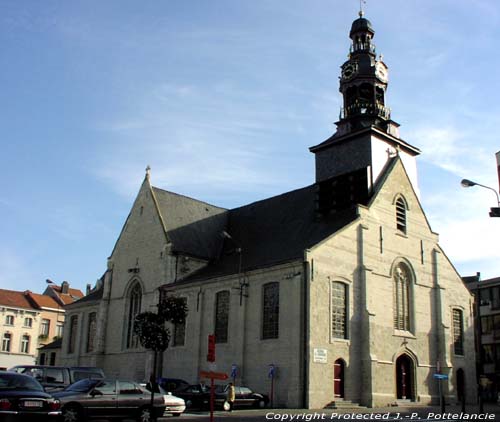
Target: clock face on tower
point(349, 70)
point(381, 71)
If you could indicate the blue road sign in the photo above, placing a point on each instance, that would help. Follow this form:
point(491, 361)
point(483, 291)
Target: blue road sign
point(441, 376)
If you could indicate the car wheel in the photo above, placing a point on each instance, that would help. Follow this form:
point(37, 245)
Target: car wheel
point(189, 403)
point(261, 404)
point(145, 415)
point(72, 413)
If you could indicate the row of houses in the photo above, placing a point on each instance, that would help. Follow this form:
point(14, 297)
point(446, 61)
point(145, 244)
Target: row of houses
point(29, 321)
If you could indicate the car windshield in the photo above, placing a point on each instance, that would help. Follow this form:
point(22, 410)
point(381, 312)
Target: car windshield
point(83, 385)
point(16, 382)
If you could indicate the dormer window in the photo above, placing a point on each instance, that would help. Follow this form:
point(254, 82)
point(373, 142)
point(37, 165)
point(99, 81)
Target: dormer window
point(401, 208)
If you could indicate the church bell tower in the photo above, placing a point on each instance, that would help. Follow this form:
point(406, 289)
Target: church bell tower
point(366, 137)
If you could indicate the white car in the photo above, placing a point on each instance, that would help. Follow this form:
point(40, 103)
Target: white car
point(174, 406)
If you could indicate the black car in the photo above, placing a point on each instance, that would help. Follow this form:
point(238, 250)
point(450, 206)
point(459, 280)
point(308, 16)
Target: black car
point(244, 397)
point(22, 398)
point(172, 385)
point(107, 399)
point(196, 396)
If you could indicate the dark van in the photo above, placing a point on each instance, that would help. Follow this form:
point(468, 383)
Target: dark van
point(55, 378)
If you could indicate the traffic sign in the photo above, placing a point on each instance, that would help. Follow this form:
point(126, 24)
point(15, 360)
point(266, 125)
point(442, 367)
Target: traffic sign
point(441, 376)
point(211, 348)
point(214, 375)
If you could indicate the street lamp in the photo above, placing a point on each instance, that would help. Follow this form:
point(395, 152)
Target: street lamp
point(241, 280)
point(494, 211)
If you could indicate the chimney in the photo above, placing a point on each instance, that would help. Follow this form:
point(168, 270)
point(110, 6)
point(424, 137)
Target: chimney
point(64, 287)
point(88, 289)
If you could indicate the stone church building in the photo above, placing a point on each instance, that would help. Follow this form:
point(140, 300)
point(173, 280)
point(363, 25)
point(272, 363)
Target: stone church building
point(340, 289)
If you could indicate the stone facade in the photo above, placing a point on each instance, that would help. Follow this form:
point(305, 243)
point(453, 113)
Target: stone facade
point(341, 287)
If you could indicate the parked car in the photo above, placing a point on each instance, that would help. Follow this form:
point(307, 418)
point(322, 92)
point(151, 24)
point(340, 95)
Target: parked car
point(174, 405)
point(172, 384)
point(54, 378)
point(196, 396)
point(244, 397)
point(22, 398)
point(108, 398)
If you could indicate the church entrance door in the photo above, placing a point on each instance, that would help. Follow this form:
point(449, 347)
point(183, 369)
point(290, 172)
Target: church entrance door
point(338, 378)
point(404, 378)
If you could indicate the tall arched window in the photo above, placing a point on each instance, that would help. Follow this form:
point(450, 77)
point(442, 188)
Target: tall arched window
point(458, 332)
point(134, 308)
point(221, 316)
point(179, 337)
point(401, 209)
point(402, 297)
point(271, 310)
point(339, 310)
point(91, 331)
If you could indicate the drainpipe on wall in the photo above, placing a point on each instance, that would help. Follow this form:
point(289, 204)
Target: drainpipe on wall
point(305, 333)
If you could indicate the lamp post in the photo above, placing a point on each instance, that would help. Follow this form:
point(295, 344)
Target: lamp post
point(241, 280)
point(494, 211)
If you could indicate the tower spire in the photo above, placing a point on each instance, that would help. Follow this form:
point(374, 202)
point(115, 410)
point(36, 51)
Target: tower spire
point(361, 12)
point(363, 81)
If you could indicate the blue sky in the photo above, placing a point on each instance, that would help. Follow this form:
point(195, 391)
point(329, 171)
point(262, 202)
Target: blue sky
point(222, 98)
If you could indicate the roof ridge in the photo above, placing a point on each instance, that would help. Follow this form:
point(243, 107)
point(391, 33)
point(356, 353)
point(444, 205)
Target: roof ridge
point(188, 197)
point(273, 197)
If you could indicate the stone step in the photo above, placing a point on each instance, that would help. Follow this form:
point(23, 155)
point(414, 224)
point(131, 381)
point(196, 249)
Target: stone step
point(343, 404)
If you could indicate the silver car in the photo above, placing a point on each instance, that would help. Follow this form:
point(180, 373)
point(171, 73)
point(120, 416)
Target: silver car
point(108, 398)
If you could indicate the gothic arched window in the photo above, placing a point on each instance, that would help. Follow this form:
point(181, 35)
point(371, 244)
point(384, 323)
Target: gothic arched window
point(91, 331)
point(271, 310)
point(134, 308)
point(221, 316)
point(402, 297)
point(339, 310)
point(458, 332)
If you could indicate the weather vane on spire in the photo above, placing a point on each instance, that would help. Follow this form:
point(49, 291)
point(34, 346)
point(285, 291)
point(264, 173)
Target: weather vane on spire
point(361, 12)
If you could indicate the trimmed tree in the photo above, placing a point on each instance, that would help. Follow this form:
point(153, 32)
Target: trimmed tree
point(154, 335)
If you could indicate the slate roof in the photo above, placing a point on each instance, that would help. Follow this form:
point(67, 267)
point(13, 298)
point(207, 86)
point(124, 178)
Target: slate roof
point(56, 344)
point(93, 296)
point(192, 226)
point(272, 231)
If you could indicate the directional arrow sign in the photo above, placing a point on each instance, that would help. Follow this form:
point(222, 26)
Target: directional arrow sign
point(214, 375)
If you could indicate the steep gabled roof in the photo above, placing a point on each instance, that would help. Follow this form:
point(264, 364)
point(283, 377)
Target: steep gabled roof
point(70, 297)
point(273, 231)
point(14, 299)
point(192, 226)
point(44, 301)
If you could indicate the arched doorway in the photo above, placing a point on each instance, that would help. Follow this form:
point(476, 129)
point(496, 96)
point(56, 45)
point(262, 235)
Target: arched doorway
point(338, 378)
point(404, 378)
point(460, 384)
